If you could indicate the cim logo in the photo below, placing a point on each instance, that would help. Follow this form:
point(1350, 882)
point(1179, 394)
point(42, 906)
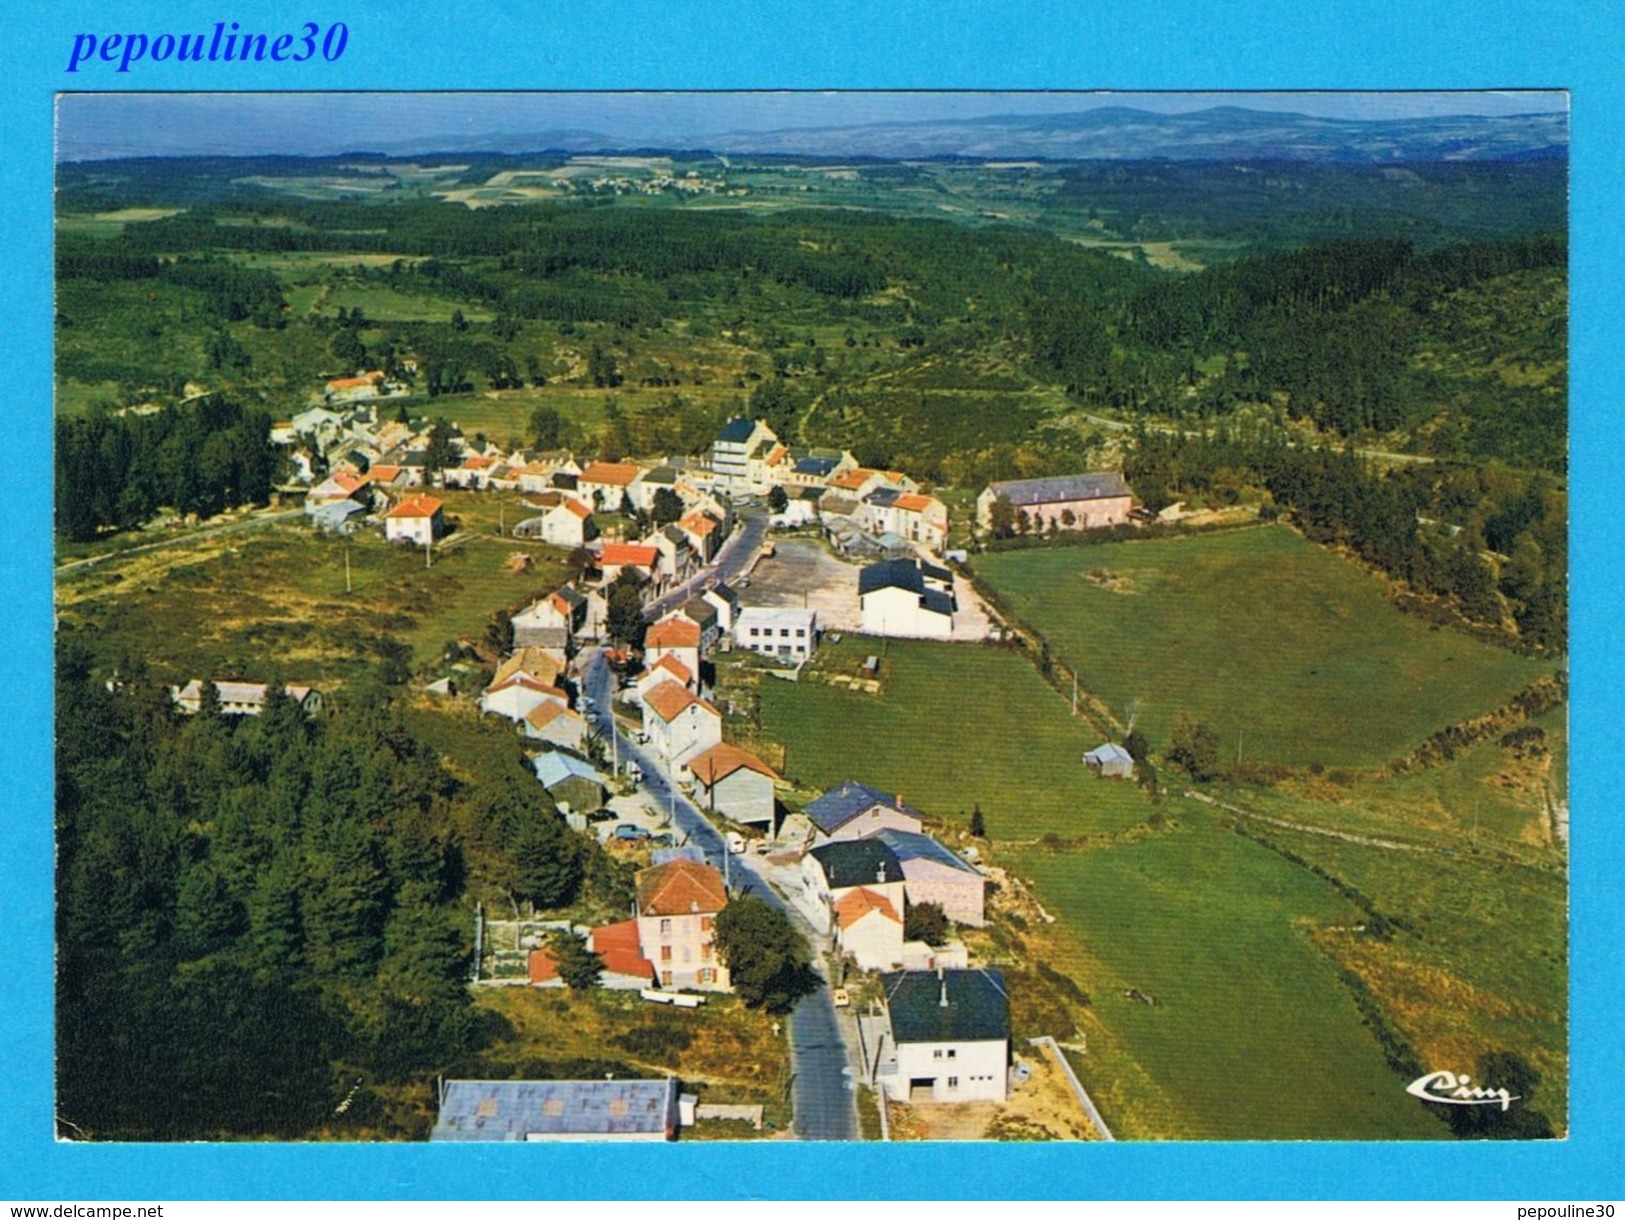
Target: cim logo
point(1449, 1089)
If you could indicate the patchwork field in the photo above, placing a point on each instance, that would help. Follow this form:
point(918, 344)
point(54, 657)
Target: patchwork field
point(1273, 642)
point(953, 726)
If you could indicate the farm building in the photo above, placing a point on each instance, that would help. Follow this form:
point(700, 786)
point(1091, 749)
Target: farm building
point(677, 905)
point(906, 597)
point(538, 1110)
point(786, 635)
point(1110, 761)
point(417, 520)
point(857, 811)
point(1066, 502)
point(932, 873)
point(947, 1036)
point(569, 781)
point(736, 784)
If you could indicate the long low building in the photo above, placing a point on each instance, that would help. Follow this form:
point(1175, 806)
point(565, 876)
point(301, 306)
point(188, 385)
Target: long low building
point(538, 1110)
point(1065, 502)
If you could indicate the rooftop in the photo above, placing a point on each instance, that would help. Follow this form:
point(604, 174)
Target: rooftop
point(857, 862)
point(907, 845)
point(1099, 485)
point(840, 805)
point(680, 888)
point(514, 1110)
point(722, 760)
point(953, 1006)
point(554, 768)
point(855, 905)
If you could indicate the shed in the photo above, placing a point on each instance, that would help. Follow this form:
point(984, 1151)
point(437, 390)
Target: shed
point(571, 781)
point(1110, 761)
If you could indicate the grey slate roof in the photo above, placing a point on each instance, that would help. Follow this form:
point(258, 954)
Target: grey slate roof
point(883, 497)
point(554, 768)
point(736, 431)
point(660, 475)
point(906, 845)
point(840, 805)
point(937, 601)
point(978, 1008)
point(505, 1110)
point(857, 862)
point(891, 574)
point(726, 593)
point(818, 467)
point(1101, 485)
point(1108, 753)
point(697, 610)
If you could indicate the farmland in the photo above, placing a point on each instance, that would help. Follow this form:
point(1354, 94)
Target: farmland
point(1275, 643)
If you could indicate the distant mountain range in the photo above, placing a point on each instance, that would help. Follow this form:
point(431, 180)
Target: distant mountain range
point(1224, 133)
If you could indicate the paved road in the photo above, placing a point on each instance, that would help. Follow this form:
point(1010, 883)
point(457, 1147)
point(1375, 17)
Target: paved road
point(736, 555)
point(214, 531)
point(823, 1094)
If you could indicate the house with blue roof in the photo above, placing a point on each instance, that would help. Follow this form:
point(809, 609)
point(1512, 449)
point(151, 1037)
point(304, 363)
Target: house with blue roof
point(515, 1111)
point(932, 873)
point(906, 597)
point(857, 811)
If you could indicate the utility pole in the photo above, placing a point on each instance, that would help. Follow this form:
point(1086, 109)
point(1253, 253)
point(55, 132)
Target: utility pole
point(428, 550)
point(347, 587)
point(1240, 733)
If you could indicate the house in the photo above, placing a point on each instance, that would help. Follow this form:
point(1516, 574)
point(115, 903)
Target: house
point(416, 520)
point(518, 694)
point(241, 698)
point(726, 602)
point(677, 557)
point(539, 662)
point(859, 481)
point(932, 873)
point(355, 389)
point(736, 784)
point(857, 811)
point(906, 597)
point(1110, 761)
point(569, 781)
point(625, 967)
point(565, 522)
point(647, 485)
point(337, 488)
point(540, 1110)
point(387, 475)
point(704, 616)
point(801, 508)
point(835, 869)
point(676, 635)
point(473, 472)
point(679, 723)
point(787, 635)
point(336, 517)
point(703, 532)
point(677, 906)
point(870, 928)
point(550, 622)
point(555, 724)
point(667, 669)
point(615, 556)
point(1066, 502)
point(908, 514)
point(946, 1036)
point(731, 452)
point(604, 484)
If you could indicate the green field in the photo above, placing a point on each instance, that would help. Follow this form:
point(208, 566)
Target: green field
point(1251, 1035)
point(1275, 643)
point(954, 726)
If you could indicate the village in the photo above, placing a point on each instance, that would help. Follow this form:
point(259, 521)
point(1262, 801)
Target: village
point(611, 681)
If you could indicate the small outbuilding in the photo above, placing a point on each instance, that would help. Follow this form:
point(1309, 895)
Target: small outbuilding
point(570, 781)
point(1110, 761)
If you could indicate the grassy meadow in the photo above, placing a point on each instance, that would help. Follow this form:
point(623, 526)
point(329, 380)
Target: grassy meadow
point(1261, 635)
point(953, 726)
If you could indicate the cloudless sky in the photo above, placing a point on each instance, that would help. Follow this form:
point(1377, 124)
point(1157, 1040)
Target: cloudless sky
point(94, 125)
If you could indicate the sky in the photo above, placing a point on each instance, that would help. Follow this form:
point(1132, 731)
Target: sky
point(96, 125)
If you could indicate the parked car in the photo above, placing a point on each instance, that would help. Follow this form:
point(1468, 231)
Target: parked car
point(628, 833)
point(736, 843)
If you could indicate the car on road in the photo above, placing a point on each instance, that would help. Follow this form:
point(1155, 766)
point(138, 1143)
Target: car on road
point(842, 998)
point(736, 843)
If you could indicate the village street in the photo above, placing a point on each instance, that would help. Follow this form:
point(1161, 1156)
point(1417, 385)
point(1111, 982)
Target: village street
point(823, 1095)
point(735, 556)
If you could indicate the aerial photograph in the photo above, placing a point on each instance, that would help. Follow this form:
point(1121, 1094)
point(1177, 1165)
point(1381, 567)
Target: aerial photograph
point(811, 616)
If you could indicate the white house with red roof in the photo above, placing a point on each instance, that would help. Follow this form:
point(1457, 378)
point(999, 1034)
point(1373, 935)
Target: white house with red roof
point(338, 486)
point(417, 519)
point(908, 514)
point(564, 521)
point(676, 635)
point(553, 723)
point(605, 484)
point(518, 694)
point(615, 556)
point(679, 723)
point(667, 669)
point(677, 906)
point(704, 534)
point(869, 926)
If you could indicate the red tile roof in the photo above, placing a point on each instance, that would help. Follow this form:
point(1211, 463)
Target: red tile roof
point(682, 887)
point(697, 523)
point(544, 967)
point(617, 946)
point(544, 714)
point(385, 474)
point(620, 554)
point(722, 760)
point(612, 474)
point(578, 508)
point(855, 905)
point(355, 383)
point(914, 502)
point(417, 506)
point(672, 633)
point(669, 700)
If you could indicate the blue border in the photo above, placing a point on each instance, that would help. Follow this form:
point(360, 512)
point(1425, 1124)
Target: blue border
point(593, 44)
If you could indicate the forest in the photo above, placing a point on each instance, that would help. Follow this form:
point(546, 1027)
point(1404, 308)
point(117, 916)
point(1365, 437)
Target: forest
point(260, 921)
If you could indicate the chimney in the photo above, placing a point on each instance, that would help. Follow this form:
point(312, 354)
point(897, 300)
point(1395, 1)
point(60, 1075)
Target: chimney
point(943, 1001)
point(880, 873)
